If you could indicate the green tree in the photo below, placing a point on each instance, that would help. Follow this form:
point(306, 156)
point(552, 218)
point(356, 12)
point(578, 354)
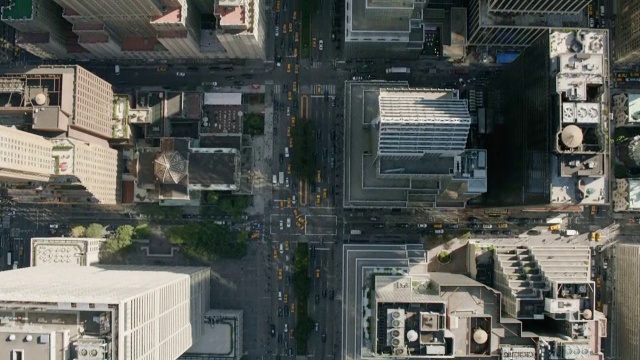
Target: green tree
point(208, 241)
point(94, 231)
point(142, 231)
point(121, 240)
point(253, 124)
point(77, 231)
point(303, 156)
point(212, 197)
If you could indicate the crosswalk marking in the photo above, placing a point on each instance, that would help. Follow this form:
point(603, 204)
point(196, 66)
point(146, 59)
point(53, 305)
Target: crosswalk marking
point(316, 64)
point(318, 89)
point(277, 88)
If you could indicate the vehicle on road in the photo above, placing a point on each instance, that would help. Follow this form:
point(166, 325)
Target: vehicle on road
point(280, 311)
point(374, 218)
point(356, 232)
point(324, 337)
point(398, 70)
point(320, 45)
point(117, 69)
point(286, 327)
point(331, 294)
point(324, 293)
point(570, 232)
point(317, 326)
point(378, 226)
point(281, 175)
point(273, 330)
point(534, 232)
point(555, 227)
point(317, 273)
point(281, 225)
point(439, 231)
point(423, 226)
point(438, 226)
point(181, 74)
point(453, 226)
point(317, 299)
point(403, 225)
point(487, 226)
point(288, 222)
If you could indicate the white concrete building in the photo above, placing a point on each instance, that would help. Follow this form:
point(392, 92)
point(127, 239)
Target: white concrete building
point(106, 312)
point(24, 156)
point(416, 122)
point(65, 251)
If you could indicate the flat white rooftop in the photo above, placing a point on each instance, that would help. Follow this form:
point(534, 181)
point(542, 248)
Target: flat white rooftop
point(105, 284)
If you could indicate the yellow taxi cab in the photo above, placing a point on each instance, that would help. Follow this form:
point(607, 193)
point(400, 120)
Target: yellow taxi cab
point(286, 246)
point(437, 226)
point(319, 89)
point(555, 227)
point(275, 253)
point(593, 210)
point(317, 199)
point(293, 307)
point(598, 236)
point(289, 96)
point(289, 202)
point(289, 169)
point(284, 28)
point(294, 87)
point(297, 68)
point(317, 273)
point(297, 37)
point(286, 298)
point(294, 15)
point(313, 43)
point(289, 131)
point(289, 68)
point(279, 273)
point(295, 213)
point(295, 52)
point(598, 282)
point(592, 236)
point(324, 193)
point(599, 305)
point(277, 5)
point(293, 121)
point(503, 226)
point(281, 205)
point(291, 142)
point(319, 176)
point(162, 68)
point(290, 27)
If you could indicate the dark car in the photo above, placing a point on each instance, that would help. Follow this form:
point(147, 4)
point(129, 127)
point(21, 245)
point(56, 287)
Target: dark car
point(324, 293)
point(378, 226)
point(495, 232)
point(229, 77)
point(273, 330)
point(452, 226)
point(512, 219)
point(474, 226)
point(506, 232)
point(324, 337)
point(187, 216)
point(238, 82)
point(479, 232)
point(473, 219)
point(295, 104)
point(247, 76)
point(279, 338)
point(331, 294)
point(317, 299)
point(286, 311)
point(281, 158)
point(228, 68)
point(403, 225)
point(280, 311)
point(534, 232)
point(214, 68)
point(318, 134)
point(374, 218)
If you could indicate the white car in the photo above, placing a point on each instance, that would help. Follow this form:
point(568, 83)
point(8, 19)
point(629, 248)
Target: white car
point(288, 111)
point(320, 45)
point(286, 328)
point(281, 225)
point(286, 182)
point(181, 74)
point(277, 30)
point(422, 226)
point(288, 222)
point(293, 199)
point(439, 231)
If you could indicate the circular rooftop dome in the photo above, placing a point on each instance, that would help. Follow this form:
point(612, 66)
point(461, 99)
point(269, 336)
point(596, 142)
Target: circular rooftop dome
point(572, 136)
point(412, 335)
point(41, 99)
point(587, 314)
point(480, 336)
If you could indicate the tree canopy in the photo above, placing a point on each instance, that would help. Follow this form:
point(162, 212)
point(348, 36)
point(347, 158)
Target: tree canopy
point(120, 240)
point(303, 155)
point(94, 231)
point(208, 241)
point(77, 231)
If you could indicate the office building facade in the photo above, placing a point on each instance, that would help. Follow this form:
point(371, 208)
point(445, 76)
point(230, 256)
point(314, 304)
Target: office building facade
point(625, 308)
point(519, 23)
point(626, 35)
point(106, 312)
point(138, 29)
point(548, 112)
point(24, 157)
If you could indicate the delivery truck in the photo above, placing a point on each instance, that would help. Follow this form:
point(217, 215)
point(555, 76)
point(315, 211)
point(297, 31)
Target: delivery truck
point(281, 178)
point(398, 70)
